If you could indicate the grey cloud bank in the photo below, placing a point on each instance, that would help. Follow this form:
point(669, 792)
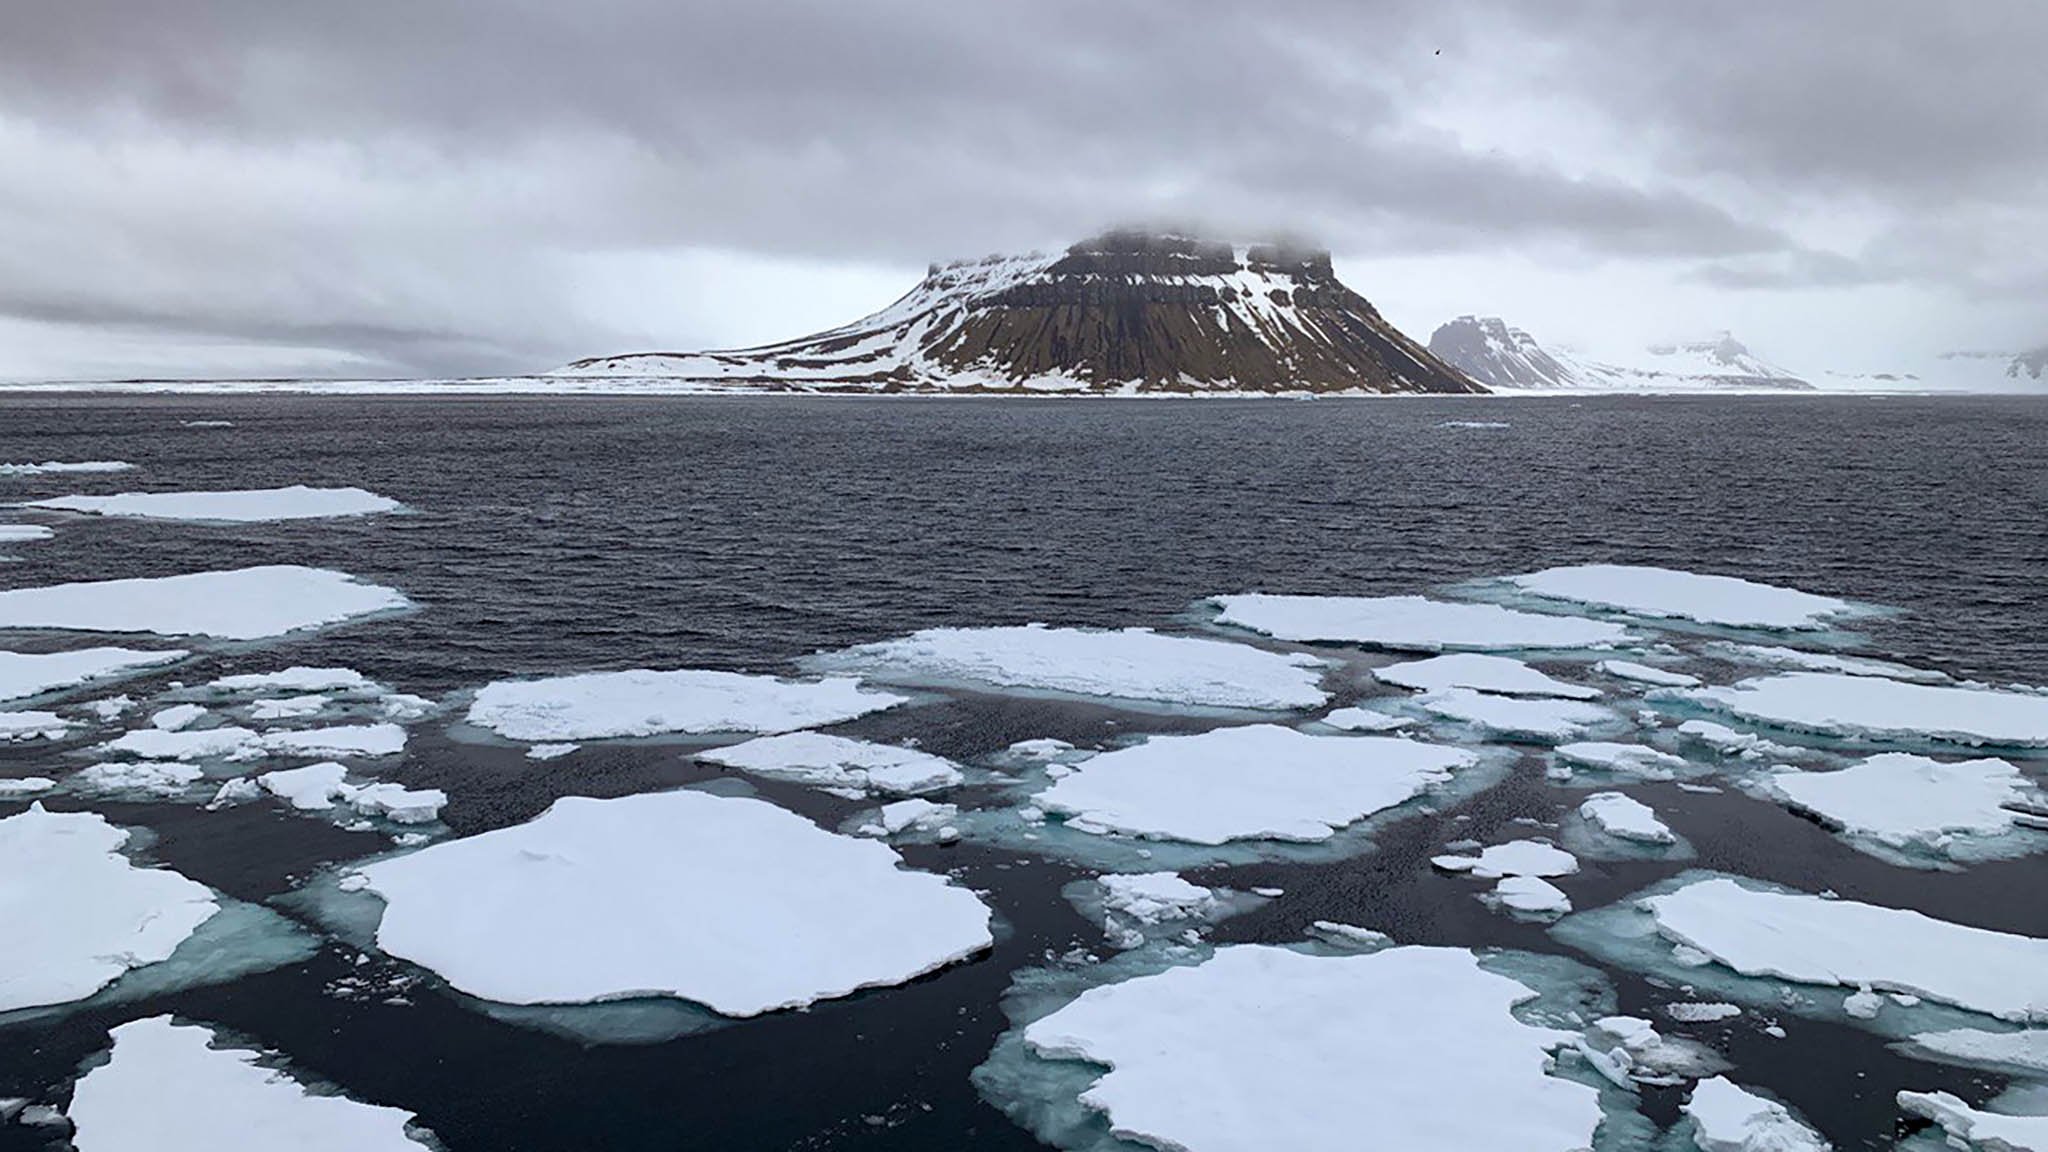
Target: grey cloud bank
point(234, 188)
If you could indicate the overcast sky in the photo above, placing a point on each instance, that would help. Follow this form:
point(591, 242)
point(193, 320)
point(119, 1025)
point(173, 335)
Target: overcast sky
point(414, 187)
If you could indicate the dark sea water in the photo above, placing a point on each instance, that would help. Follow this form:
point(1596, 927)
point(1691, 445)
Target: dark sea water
point(556, 535)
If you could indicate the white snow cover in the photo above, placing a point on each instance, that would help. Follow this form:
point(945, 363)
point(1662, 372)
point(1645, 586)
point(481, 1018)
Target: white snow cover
point(838, 762)
point(1899, 799)
point(297, 678)
point(1811, 940)
point(2026, 1049)
point(1501, 675)
point(1626, 818)
point(1542, 719)
point(14, 788)
point(1727, 1118)
point(1131, 664)
point(156, 779)
point(50, 467)
point(1831, 662)
point(234, 604)
point(1969, 1127)
point(1365, 720)
point(23, 533)
point(24, 674)
point(730, 902)
point(339, 740)
point(79, 912)
point(1149, 897)
point(177, 717)
point(168, 1089)
point(1532, 895)
point(1626, 759)
point(32, 725)
point(1260, 1047)
point(297, 502)
point(642, 702)
point(1515, 858)
point(1260, 781)
point(1664, 593)
point(1410, 623)
point(1866, 706)
point(1647, 674)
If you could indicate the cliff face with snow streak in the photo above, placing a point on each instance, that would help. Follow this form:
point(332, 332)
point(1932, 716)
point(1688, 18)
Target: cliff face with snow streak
point(1491, 352)
point(1126, 312)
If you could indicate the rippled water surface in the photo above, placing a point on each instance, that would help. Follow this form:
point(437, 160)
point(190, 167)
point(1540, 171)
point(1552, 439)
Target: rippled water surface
point(561, 535)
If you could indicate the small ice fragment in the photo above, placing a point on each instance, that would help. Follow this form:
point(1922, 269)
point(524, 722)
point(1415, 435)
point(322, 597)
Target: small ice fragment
point(819, 759)
point(1636, 760)
point(1270, 893)
point(1410, 623)
point(32, 725)
point(550, 751)
point(1499, 675)
point(1626, 818)
point(240, 790)
point(1150, 897)
point(177, 717)
point(1043, 748)
point(1690, 1012)
point(151, 778)
point(18, 787)
point(914, 813)
point(1540, 719)
point(1646, 674)
point(1664, 593)
point(288, 708)
point(1863, 1004)
point(1515, 858)
point(340, 740)
point(1968, 1127)
point(312, 788)
point(1532, 895)
point(296, 679)
point(1727, 1118)
point(1357, 719)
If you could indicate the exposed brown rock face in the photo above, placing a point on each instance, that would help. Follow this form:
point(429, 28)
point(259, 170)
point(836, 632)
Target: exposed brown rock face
point(1123, 312)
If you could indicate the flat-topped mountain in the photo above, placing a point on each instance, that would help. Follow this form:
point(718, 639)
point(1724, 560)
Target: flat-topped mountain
point(1125, 312)
point(1488, 350)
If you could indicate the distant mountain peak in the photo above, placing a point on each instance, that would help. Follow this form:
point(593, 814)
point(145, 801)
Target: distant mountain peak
point(1131, 310)
point(1500, 356)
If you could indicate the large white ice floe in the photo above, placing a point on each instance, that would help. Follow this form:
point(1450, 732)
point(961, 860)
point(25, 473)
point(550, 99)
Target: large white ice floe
point(1758, 931)
point(1263, 1047)
point(1256, 782)
point(1829, 662)
point(838, 762)
point(25, 674)
point(1898, 800)
point(56, 467)
point(1129, 664)
point(1500, 675)
point(1728, 1118)
point(233, 604)
point(1508, 716)
point(729, 902)
point(642, 702)
point(32, 725)
point(2021, 1053)
point(1625, 818)
point(297, 502)
point(167, 1087)
point(1664, 593)
point(1837, 704)
point(79, 914)
point(1968, 1127)
point(1411, 623)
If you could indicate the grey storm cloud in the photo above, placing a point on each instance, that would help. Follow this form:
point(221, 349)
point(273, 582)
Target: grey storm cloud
point(425, 187)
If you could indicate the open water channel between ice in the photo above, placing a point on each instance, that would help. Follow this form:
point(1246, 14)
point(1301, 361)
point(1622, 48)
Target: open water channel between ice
point(811, 543)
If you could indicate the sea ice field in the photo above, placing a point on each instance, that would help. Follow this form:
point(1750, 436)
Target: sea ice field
point(631, 774)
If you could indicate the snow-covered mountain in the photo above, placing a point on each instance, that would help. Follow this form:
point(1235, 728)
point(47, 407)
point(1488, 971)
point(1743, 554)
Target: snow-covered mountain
point(1126, 312)
point(1952, 372)
point(1499, 356)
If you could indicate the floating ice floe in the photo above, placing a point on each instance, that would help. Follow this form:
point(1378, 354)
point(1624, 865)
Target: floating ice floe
point(1968, 1127)
point(550, 751)
point(229, 742)
point(54, 467)
point(754, 908)
point(1646, 674)
point(80, 913)
point(1729, 742)
point(1701, 1012)
point(1530, 896)
point(2022, 1053)
point(1830, 662)
point(1508, 716)
point(1365, 720)
point(174, 1088)
point(234, 604)
point(1129, 664)
point(1043, 748)
point(1149, 897)
point(1638, 760)
point(177, 717)
point(289, 707)
point(146, 779)
point(25, 674)
point(1764, 932)
point(1500, 675)
point(320, 787)
point(1897, 800)
point(1628, 1051)
point(1727, 1118)
point(1267, 1047)
point(900, 815)
point(110, 708)
point(24, 533)
point(821, 760)
point(32, 726)
point(1515, 858)
point(21, 787)
point(1664, 593)
point(1626, 818)
point(1837, 704)
point(297, 502)
point(297, 679)
point(642, 702)
point(1135, 908)
point(338, 740)
point(1257, 782)
point(1411, 623)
